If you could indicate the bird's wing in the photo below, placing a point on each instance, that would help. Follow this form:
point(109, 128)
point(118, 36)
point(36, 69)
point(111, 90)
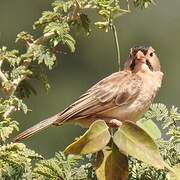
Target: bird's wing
point(115, 90)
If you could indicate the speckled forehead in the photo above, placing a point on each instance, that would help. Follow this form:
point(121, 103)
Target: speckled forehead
point(134, 50)
point(150, 49)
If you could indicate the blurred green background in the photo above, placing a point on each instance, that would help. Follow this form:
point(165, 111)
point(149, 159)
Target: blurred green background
point(94, 59)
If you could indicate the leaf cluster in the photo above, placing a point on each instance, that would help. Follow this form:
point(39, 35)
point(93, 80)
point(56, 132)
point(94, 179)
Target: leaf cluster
point(7, 124)
point(15, 161)
point(63, 167)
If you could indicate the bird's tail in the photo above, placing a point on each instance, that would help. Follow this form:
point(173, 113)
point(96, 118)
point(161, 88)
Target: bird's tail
point(36, 128)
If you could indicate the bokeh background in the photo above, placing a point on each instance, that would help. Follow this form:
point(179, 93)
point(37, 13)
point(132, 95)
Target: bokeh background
point(94, 59)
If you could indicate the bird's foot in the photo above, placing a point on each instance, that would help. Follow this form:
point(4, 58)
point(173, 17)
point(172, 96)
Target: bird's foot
point(113, 123)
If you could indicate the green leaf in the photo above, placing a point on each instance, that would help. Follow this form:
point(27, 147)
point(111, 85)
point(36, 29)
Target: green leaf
point(47, 17)
point(62, 6)
point(21, 105)
point(25, 37)
point(43, 55)
point(94, 139)
point(16, 161)
point(150, 127)
point(7, 127)
point(102, 25)
point(69, 41)
point(111, 164)
point(62, 167)
point(134, 141)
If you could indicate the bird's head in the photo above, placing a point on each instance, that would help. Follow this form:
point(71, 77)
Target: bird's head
point(142, 59)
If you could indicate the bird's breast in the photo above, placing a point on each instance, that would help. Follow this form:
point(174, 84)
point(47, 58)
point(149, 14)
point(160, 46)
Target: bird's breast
point(136, 109)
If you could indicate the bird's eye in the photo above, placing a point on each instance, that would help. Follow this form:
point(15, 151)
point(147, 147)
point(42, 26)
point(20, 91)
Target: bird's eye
point(151, 54)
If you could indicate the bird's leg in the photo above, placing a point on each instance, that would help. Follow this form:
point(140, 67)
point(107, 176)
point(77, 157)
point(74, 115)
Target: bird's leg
point(113, 123)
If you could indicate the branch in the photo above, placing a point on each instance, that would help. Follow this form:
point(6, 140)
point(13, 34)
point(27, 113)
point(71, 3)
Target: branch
point(125, 11)
point(43, 39)
point(15, 84)
point(3, 78)
point(7, 113)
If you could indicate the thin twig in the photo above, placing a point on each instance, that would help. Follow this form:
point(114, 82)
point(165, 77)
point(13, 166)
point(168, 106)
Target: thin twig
point(8, 112)
point(166, 165)
point(43, 39)
point(76, 10)
point(111, 132)
point(117, 45)
point(89, 6)
point(128, 6)
point(3, 78)
point(125, 11)
point(16, 83)
point(78, 3)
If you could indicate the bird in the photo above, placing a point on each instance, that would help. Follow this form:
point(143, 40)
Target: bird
point(121, 96)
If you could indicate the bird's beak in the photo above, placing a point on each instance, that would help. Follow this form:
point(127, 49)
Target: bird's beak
point(140, 57)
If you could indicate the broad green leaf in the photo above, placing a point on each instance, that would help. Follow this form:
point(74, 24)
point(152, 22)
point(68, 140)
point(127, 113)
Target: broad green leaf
point(134, 141)
point(94, 139)
point(111, 164)
point(150, 127)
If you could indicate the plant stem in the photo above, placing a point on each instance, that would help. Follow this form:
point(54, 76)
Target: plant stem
point(111, 132)
point(117, 45)
point(43, 39)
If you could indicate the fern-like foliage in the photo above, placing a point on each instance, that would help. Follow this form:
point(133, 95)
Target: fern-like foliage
point(7, 127)
point(15, 161)
point(64, 167)
point(7, 124)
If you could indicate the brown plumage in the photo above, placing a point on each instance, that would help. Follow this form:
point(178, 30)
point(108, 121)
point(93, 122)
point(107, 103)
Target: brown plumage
point(124, 95)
